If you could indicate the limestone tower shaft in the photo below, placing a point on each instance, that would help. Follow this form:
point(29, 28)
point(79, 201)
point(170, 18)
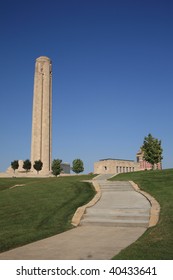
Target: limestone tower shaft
point(41, 145)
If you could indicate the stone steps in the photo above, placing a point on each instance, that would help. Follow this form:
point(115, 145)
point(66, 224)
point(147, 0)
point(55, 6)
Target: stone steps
point(103, 177)
point(117, 212)
point(119, 206)
point(114, 183)
point(117, 188)
point(114, 223)
point(116, 217)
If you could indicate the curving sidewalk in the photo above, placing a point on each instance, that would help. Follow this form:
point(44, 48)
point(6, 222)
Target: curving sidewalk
point(116, 217)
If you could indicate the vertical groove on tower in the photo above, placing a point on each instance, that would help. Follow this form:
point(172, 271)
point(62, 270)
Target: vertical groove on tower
point(50, 118)
point(41, 126)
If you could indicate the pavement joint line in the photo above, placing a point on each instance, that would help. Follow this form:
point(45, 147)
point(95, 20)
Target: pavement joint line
point(155, 206)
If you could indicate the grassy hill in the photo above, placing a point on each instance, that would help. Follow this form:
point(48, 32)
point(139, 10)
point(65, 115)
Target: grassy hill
point(157, 242)
point(40, 208)
point(44, 207)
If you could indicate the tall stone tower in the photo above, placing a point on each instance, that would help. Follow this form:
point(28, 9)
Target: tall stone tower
point(41, 145)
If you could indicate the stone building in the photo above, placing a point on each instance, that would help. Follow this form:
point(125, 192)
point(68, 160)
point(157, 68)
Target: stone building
point(65, 168)
point(20, 170)
point(143, 164)
point(115, 166)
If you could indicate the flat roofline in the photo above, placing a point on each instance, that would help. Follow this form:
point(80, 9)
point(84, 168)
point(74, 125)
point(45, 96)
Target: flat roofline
point(116, 159)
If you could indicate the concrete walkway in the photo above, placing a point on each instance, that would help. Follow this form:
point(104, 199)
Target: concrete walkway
point(118, 219)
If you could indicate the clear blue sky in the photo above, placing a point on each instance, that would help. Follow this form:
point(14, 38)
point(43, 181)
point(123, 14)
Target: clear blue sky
point(112, 76)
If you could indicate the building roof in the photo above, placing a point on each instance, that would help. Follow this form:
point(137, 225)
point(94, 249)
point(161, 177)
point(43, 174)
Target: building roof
point(116, 159)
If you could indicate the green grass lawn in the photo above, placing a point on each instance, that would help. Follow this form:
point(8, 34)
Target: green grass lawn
point(157, 242)
point(41, 208)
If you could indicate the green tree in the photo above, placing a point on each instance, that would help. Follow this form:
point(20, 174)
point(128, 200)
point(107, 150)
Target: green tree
point(77, 166)
point(152, 150)
point(56, 167)
point(15, 165)
point(38, 165)
point(27, 165)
